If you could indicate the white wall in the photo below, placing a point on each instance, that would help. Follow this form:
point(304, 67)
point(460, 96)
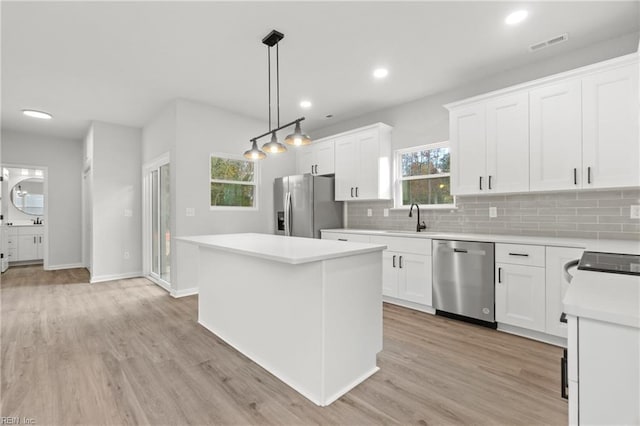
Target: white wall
point(63, 158)
point(116, 201)
point(200, 130)
point(427, 121)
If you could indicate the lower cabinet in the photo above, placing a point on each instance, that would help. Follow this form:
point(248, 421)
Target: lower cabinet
point(407, 276)
point(556, 286)
point(520, 286)
point(25, 243)
point(520, 296)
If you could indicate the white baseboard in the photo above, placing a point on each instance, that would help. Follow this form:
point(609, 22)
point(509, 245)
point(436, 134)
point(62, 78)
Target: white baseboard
point(532, 334)
point(184, 292)
point(103, 278)
point(407, 304)
point(67, 266)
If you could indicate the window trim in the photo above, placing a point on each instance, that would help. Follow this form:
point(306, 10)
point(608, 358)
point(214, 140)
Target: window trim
point(398, 179)
point(255, 183)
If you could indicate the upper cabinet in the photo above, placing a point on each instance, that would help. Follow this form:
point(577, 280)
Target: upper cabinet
point(556, 136)
point(490, 146)
point(363, 164)
point(610, 148)
point(317, 158)
point(569, 131)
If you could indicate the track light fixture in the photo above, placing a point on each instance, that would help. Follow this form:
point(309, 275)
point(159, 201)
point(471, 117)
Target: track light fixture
point(297, 138)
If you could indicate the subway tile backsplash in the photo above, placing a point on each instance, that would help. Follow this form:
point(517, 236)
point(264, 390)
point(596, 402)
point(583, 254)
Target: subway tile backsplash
point(579, 214)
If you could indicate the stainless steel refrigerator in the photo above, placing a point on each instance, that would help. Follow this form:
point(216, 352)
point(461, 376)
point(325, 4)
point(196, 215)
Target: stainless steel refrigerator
point(305, 204)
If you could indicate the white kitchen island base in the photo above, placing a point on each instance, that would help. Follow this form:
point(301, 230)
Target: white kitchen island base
point(314, 324)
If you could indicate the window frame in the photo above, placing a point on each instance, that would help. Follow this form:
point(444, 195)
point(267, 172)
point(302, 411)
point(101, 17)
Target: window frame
point(398, 178)
point(255, 183)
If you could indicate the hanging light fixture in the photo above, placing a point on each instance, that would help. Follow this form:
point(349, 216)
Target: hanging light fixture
point(254, 153)
point(297, 138)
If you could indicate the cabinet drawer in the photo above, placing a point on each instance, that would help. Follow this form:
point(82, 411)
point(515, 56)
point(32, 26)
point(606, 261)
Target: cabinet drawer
point(520, 254)
point(27, 230)
point(12, 232)
point(356, 238)
point(12, 255)
point(406, 245)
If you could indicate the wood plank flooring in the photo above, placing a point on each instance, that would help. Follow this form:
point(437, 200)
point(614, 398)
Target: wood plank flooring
point(125, 352)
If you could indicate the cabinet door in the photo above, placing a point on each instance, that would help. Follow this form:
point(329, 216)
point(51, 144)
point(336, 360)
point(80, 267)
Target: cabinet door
point(390, 273)
point(414, 278)
point(468, 150)
point(610, 141)
point(508, 143)
point(305, 159)
point(325, 158)
point(27, 247)
point(368, 158)
point(556, 137)
point(346, 165)
point(520, 296)
point(556, 286)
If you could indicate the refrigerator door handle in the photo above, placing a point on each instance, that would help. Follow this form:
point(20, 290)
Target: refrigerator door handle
point(290, 207)
point(286, 213)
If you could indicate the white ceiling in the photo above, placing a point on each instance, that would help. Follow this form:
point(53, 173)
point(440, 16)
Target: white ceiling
point(121, 62)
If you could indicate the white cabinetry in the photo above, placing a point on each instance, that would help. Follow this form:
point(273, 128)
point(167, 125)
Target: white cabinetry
point(25, 243)
point(556, 136)
point(490, 146)
point(317, 158)
point(573, 130)
point(363, 164)
point(610, 148)
point(406, 269)
point(556, 286)
point(603, 377)
point(520, 286)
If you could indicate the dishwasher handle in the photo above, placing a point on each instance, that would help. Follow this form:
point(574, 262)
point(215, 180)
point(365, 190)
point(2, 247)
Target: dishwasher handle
point(456, 250)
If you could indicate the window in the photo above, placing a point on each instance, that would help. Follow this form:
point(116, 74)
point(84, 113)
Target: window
point(233, 182)
point(423, 176)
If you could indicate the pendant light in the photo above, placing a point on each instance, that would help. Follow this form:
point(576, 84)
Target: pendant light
point(254, 153)
point(297, 138)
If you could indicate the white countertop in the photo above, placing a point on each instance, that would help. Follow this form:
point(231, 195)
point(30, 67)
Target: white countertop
point(24, 225)
point(604, 296)
point(610, 246)
point(292, 250)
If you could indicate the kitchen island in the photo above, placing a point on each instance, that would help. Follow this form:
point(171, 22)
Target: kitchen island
point(308, 311)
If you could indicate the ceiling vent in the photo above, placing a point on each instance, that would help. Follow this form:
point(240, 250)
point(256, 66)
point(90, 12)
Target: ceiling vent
point(550, 42)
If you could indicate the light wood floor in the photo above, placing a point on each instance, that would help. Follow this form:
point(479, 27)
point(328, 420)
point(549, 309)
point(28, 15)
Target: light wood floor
point(125, 352)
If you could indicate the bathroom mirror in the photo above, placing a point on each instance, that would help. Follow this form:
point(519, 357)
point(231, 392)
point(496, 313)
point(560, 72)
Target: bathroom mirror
point(28, 196)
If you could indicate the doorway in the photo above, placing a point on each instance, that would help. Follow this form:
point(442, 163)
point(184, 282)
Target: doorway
point(157, 188)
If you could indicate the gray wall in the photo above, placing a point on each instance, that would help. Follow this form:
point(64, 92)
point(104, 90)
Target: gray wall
point(63, 158)
point(191, 131)
point(116, 222)
point(589, 214)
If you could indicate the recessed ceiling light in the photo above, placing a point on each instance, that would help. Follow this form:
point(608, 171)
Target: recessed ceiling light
point(305, 104)
point(516, 17)
point(37, 114)
point(380, 72)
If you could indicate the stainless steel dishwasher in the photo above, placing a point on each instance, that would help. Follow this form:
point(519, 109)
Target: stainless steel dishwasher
point(463, 280)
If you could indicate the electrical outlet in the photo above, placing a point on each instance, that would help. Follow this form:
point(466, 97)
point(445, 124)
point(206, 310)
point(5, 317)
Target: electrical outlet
point(493, 212)
point(385, 212)
point(191, 211)
point(635, 212)
point(126, 255)
point(369, 212)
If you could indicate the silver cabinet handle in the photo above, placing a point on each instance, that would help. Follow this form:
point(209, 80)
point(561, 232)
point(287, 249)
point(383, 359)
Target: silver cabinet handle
point(400, 262)
point(394, 260)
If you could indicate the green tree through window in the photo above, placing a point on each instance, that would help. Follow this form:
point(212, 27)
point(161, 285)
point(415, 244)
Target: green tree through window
point(233, 182)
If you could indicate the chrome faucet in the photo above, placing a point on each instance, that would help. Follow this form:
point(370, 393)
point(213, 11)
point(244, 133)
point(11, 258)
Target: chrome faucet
point(419, 225)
